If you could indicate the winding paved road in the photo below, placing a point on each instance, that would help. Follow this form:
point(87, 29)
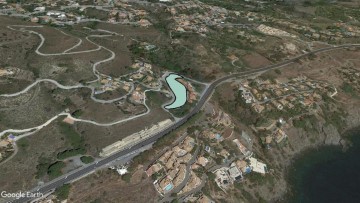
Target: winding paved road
point(32, 130)
point(75, 175)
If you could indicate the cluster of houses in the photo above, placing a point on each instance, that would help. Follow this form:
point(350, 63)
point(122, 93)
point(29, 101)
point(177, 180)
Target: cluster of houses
point(144, 75)
point(107, 83)
point(297, 95)
point(127, 15)
point(227, 176)
point(239, 165)
point(221, 128)
point(169, 170)
point(265, 95)
point(191, 16)
point(222, 125)
point(70, 12)
point(44, 15)
point(274, 131)
point(202, 16)
point(339, 30)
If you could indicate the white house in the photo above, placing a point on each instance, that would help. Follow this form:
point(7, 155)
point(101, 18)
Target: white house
point(40, 9)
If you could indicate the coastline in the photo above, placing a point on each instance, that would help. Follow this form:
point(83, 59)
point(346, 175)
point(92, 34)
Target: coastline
point(300, 143)
point(305, 162)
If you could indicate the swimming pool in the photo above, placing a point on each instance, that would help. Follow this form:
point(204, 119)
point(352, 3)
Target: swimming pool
point(168, 187)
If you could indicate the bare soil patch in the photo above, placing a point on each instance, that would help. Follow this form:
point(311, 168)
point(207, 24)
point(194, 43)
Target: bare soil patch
point(324, 67)
point(55, 40)
point(255, 60)
point(99, 137)
point(107, 186)
point(121, 63)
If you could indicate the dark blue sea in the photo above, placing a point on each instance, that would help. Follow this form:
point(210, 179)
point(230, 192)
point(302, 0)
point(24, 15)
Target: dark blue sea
point(327, 175)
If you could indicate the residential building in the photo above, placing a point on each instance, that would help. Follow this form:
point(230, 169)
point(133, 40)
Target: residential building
point(257, 166)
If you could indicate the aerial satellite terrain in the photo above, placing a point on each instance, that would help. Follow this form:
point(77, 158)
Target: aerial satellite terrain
point(168, 101)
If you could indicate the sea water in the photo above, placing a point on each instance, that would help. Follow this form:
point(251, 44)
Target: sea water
point(327, 174)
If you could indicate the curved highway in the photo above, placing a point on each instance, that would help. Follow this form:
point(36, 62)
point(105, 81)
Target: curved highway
point(74, 175)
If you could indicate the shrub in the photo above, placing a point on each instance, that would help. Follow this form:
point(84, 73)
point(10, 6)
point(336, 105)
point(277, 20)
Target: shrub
point(62, 192)
point(87, 159)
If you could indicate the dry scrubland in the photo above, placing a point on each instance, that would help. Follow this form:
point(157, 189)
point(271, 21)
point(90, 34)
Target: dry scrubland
point(52, 38)
point(30, 110)
point(107, 186)
point(43, 144)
